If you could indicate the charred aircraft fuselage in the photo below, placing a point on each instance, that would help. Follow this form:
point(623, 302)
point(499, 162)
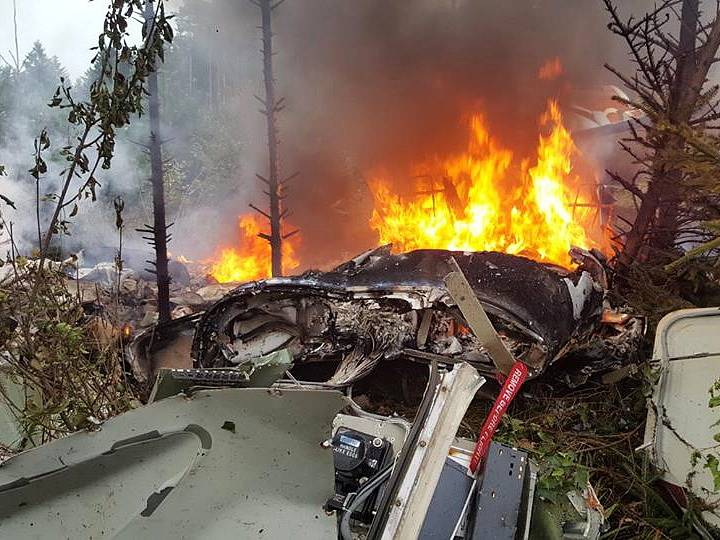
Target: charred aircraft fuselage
point(381, 305)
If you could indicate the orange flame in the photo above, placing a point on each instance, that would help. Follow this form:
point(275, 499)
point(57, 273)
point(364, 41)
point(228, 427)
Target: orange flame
point(252, 259)
point(479, 202)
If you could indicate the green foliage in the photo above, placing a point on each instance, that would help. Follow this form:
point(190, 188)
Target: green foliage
point(591, 434)
point(699, 160)
point(24, 98)
point(83, 119)
point(209, 168)
point(36, 81)
point(712, 463)
point(201, 84)
point(675, 185)
point(559, 471)
point(3, 198)
point(71, 366)
point(653, 292)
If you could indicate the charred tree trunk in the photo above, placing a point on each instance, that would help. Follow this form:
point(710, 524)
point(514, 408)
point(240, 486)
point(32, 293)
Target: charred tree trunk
point(159, 228)
point(159, 223)
point(272, 106)
point(683, 103)
point(656, 223)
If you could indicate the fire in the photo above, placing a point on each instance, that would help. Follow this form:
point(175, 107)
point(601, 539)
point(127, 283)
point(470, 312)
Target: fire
point(252, 259)
point(480, 201)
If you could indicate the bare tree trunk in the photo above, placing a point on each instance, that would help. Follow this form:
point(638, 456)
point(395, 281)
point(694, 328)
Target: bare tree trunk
point(37, 215)
point(271, 106)
point(683, 102)
point(159, 228)
point(656, 222)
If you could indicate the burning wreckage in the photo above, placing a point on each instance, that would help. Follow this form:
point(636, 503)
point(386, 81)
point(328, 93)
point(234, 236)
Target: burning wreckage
point(381, 306)
point(227, 447)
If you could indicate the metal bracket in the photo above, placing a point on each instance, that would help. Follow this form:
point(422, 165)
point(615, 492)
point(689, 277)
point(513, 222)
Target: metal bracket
point(464, 296)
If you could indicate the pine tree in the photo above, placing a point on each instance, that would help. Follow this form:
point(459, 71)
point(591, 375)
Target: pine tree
point(36, 83)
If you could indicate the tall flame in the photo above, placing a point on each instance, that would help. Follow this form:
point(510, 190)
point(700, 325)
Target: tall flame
point(252, 258)
point(477, 201)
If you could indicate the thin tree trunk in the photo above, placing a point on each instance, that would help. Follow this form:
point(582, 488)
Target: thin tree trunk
point(37, 215)
point(643, 223)
point(683, 101)
point(659, 207)
point(60, 202)
point(272, 135)
point(157, 178)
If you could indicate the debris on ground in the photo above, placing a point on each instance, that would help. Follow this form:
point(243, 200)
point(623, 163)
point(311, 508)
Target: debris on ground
point(374, 332)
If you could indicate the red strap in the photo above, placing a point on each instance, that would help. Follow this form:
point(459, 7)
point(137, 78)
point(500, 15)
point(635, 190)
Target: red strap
point(515, 379)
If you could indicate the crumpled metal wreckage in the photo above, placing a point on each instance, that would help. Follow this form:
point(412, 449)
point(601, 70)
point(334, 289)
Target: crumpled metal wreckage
point(380, 306)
